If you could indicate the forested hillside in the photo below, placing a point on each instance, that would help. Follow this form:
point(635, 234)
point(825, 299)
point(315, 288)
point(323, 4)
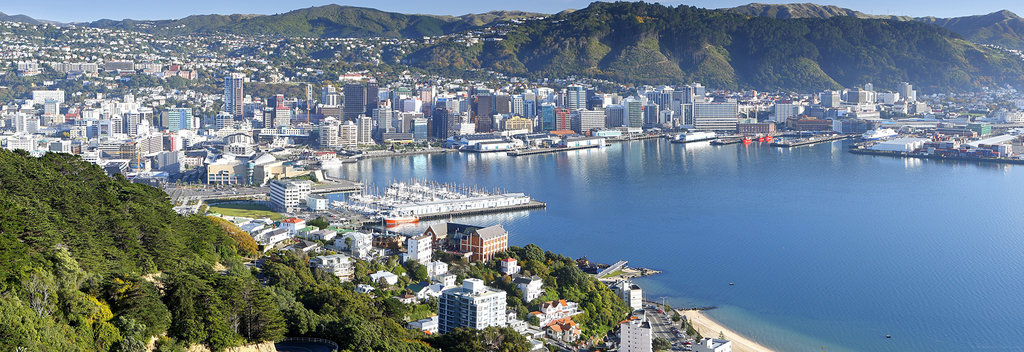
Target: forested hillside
point(655, 44)
point(94, 263)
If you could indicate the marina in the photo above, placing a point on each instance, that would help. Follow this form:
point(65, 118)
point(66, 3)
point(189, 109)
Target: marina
point(403, 202)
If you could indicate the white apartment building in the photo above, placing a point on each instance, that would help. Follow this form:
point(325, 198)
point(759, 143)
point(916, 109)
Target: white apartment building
point(474, 305)
point(635, 335)
point(421, 248)
point(531, 287)
point(338, 264)
point(285, 195)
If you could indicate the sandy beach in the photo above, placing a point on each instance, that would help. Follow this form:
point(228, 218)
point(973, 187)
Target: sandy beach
point(709, 328)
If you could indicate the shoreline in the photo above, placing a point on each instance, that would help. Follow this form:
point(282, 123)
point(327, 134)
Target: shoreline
point(710, 328)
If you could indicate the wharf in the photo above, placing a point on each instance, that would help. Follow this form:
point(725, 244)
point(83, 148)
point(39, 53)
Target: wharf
point(726, 141)
point(808, 141)
point(548, 150)
point(937, 157)
point(533, 204)
point(337, 186)
point(681, 141)
point(637, 138)
point(417, 152)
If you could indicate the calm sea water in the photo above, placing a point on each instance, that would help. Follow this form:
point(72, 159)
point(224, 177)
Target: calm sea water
point(826, 248)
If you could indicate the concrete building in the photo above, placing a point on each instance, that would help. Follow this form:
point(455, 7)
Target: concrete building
point(630, 293)
point(586, 120)
point(549, 312)
point(715, 116)
point(421, 248)
point(338, 264)
point(635, 335)
point(286, 195)
point(712, 345)
point(384, 276)
point(234, 97)
point(509, 266)
point(531, 287)
point(474, 305)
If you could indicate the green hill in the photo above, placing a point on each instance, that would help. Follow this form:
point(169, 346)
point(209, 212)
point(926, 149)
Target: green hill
point(655, 44)
point(322, 21)
point(1002, 28)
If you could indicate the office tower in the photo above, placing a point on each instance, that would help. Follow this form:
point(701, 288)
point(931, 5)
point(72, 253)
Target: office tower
point(502, 104)
point(474, 306)
point(372, 96)
point(355, 101)
point(547, 116)
point(615, 116)
point(529, 108)
point(576, 97)
point(365, 133)
point(633, 108)
point(715, 116)
point(443, 122)
point(349, 132)
point(907, 91)
point(651, 116)
point(420, 131)
point(233, 94)
point(585, 120)
point(517, 107)
point(325, 91)
point(562, 122)
point(484, 109)
point(178, 119)
point(830, 99)
point(382, 122)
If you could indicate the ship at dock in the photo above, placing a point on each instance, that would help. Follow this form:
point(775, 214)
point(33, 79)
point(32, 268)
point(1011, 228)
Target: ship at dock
point(874, 135)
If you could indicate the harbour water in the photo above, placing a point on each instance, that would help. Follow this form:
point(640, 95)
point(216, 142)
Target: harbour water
point(826, 248)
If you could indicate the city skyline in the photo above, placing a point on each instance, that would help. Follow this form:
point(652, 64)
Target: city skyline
point(72, 11)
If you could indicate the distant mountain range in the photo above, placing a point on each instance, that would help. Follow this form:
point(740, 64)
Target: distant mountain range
point(1003, 28)
point(801, 47)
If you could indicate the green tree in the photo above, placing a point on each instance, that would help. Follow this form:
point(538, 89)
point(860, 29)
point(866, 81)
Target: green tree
point(320, 222)
point(660, 344)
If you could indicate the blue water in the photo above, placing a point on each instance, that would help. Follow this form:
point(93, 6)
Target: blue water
point(825, 248)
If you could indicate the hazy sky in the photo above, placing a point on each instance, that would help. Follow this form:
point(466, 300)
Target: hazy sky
point(87, 11)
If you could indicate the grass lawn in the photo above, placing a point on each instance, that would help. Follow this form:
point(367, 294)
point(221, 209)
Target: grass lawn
point(255, 211)
point(615, 273)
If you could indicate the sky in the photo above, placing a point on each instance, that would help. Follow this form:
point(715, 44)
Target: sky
point(87, 11)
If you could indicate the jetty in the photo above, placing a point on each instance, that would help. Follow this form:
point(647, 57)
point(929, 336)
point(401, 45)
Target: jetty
point(808, 141)
point(938, 157)
point(523, 152)
point(726, 141)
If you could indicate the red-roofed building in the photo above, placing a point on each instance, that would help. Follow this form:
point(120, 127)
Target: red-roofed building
point(553, 311)
point(564, 330)
point(293, 225)
point(509, 266)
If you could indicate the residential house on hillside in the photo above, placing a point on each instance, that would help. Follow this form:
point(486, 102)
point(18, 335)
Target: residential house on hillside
point(338, 264)
point(532, 286)
point(564, 330)
point(555, 310)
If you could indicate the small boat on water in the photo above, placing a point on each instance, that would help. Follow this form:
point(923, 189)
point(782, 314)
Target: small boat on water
point(391, 220)
point(746, 140)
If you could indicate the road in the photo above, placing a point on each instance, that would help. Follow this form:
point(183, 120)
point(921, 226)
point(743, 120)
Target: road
point(662, 327)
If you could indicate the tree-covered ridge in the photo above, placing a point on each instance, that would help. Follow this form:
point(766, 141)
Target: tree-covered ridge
point(93, 263)
point(655, 44)
point(322, 21)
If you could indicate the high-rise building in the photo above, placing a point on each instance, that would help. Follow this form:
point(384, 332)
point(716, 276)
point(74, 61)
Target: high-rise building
point(635, 335)
point(829, 99)
point(355, 101)
point(364, 135)
point(615, 116)
point(633, 109)
point(233, 94)
point(562, 121)
point(178, 119)
point(285, 195)
point(372, 96)
point(443, 122)
point(483, 110)
point(474, 306)
point(576, 97)
point(547, 116)
point(585, 120)
point(907, 91)
point(383, 123)
point(715, 116)
point(330, 134)
point(502, 104)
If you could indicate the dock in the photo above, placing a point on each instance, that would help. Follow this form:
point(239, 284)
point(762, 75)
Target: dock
point(808, 141)
point(337, 186)
point(726, 141)
point(533, 204)
point(938, 157)
point(548, 150)
point(682, 141)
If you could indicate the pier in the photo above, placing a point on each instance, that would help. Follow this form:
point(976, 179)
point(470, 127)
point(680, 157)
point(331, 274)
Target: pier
point(938, 157)
point(533, 204)
point(726, 141)
point(808, 141)
point(548, 150)
point(338, 186)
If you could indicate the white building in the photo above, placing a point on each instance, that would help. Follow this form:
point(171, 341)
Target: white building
point(900, 145)
point(474, 305)
point(269, 237)
point(387, 276)
point(446, 280)
point(421, 248)
point(293, 225)
point(712, 345)
point(630, 293)
point(509, 266)
point(285, 195)
point(635, 335)
point(338, 264)
point(554, 310)
point(316, 202)
point(531, 287)
point(425, 325)
point(41, 96)
point(322, 235)
point(357, 243)
point(436, 268)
